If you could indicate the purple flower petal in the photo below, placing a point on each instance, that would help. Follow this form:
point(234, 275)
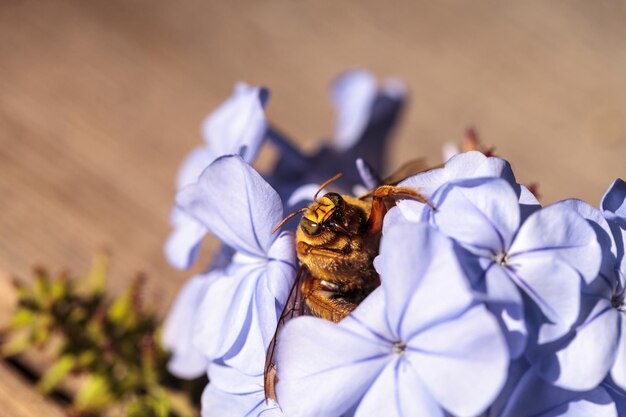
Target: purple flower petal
point(195, 162)
point(282, 266)
point(398, 391)
point(418, 261)
point(236, 204)
point(613, 202)
point(233, 381)
point(216, 403)
point(325, 369)
point(465, 165)
point(505, 302)
point(585, 361)
point(228, 322)
point(178, 330)
point(490, 214)
point(353, 95)
point(559, 232)
point(618, 371)
point(182, 245)
point(238, 125)
point(555, 287)
point(534, 397)
point(603, 233)
point(462, 362)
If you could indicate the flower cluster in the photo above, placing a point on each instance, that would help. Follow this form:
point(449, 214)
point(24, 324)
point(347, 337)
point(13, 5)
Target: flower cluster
point(489, 305)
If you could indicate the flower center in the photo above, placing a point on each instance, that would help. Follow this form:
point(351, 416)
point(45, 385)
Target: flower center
point(618, 301)
point(399, 348)
point(500, 258)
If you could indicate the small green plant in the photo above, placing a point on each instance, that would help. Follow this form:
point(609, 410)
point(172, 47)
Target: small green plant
point(109, 344)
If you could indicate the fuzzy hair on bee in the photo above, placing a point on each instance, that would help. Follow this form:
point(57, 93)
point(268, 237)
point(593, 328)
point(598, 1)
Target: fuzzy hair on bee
point(337, 240)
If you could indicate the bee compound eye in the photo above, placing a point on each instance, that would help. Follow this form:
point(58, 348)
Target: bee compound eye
point(335, 198)
point(310, 227)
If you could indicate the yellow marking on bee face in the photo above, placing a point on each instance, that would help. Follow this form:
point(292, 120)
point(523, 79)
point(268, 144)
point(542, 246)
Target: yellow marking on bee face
point(324, 208)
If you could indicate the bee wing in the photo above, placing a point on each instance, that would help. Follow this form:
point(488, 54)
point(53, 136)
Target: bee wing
point(294, 307)
point(408, 169)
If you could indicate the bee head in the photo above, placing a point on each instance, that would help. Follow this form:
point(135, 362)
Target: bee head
point(331, 204)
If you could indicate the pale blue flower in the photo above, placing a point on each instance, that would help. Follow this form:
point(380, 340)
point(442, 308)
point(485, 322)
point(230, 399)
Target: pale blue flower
point(465, 165)
point(417, 346)
point(237, 126)
point(187, 361)
point(238, 315)
point(234, 394)
point(597, 345)
point(543, 257)
point(527, 395)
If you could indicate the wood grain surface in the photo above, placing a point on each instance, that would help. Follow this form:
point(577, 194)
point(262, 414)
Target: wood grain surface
point(100, 101)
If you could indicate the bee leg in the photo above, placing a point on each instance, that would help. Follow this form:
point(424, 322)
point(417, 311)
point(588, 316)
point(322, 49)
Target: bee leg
point(375, 221)
point(324, 302)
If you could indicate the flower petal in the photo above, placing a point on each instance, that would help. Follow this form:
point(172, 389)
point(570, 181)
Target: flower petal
point(555, 287)
point(227, 322)
point(282, 266)
point(490, 214)
point(324, 369)
point(399, 392)
point(465, 165)
point(558, 232)
point(235, 203)
point(505, 302)
point(178, 330)
point(195, 162)
point(604, 236)
point(586, 359)
point(182, 245)
point(534, 397)
point(613, 202)
point(216, 403)
point(233, 381)
point(417, 265)
point(238, 126)
point(462, 362)
point(353, 95)
point(618, 371)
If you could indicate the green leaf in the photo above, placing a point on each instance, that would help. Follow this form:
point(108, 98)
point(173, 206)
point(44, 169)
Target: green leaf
point(94, 394)
point(22, 317)
point(54, 376)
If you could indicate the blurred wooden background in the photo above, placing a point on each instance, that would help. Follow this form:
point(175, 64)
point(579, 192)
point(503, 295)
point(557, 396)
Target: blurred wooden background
point(100, 101)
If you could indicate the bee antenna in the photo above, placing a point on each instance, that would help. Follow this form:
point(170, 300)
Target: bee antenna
point(283, 221)
point(330, 181)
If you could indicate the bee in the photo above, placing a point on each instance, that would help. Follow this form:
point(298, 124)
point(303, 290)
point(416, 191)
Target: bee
point(337, 240)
